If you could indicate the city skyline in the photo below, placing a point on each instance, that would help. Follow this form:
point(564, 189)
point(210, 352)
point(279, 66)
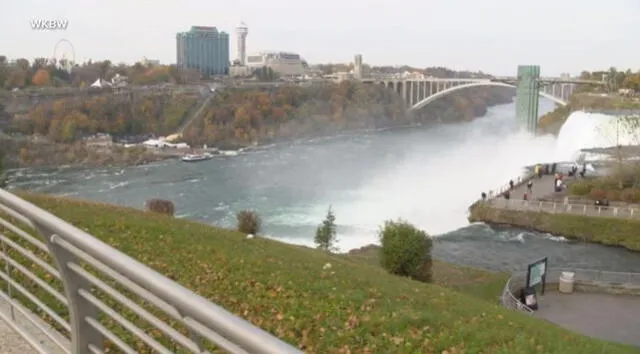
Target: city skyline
point(491, 36)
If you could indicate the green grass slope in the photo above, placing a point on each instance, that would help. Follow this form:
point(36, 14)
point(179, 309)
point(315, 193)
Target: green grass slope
point(353, 307)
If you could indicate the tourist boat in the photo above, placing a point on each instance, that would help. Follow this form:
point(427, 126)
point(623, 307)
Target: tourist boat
point(197, 157)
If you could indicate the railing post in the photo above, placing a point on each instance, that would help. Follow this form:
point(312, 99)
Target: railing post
point(7, 269)
point(82, 335)
point(615, 211)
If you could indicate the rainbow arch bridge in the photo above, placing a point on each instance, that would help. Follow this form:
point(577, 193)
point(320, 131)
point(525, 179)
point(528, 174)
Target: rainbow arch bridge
point(529, 86)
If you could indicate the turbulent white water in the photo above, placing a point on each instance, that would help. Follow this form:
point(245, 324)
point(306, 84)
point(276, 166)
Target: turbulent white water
point(584, 130)
point(432, 188)
point(428, 176)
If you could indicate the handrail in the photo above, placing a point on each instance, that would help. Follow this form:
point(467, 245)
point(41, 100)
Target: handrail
point(518, 281)
point(510, 301)
point(517, 182)
point(566, 208)
point(71, 248)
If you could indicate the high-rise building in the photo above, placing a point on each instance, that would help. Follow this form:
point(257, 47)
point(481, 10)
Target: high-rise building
point(357, 66)
point(203, 48)
point(241, 32)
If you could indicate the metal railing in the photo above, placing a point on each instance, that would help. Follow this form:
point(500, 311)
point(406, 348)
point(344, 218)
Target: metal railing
point(65, 291)
point(517, 281)
point(517, 182)
point(508, 299)
point(566, 208)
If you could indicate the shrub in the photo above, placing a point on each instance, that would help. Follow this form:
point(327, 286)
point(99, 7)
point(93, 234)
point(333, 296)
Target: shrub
point(406, 250)
point(630, 195)
point(606, 183)
point(161, 206)
point(326, 234)
point(248, 222)
point(613, 195)
point(597, 194)
point(580, 188)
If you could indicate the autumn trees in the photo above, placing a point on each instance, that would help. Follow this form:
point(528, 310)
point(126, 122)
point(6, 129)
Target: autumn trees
point(69, 119)
point(245, 116)
point(41, 78)
point(615, 79)
point(41, 72)
point(238, 117)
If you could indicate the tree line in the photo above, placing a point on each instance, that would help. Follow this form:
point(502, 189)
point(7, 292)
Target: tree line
point(42, 72)
point(73, 118)
point(240, 117)
point(245, 116)
point(614, 78)
point(432, 71)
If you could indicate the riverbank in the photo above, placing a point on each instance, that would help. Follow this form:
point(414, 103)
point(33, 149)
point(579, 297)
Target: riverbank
point(235, 118)
point(611, 231)
point(353, 306)
point(555, 213)
point(21, 153)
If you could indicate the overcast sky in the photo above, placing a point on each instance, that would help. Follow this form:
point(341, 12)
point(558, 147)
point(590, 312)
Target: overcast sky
point(490, 35)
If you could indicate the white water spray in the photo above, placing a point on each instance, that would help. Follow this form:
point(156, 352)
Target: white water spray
point(433, 189)
point(584, 130)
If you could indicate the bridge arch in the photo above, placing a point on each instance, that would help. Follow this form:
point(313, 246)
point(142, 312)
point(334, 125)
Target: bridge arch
point(450, 90)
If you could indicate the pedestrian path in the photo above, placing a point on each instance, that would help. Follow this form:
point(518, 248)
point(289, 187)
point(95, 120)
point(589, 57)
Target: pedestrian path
point(543, 187)
point(609, 317)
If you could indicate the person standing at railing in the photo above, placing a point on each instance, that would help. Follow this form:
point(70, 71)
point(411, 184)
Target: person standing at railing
point(507, 195)
point(539, 170)
point(530, 187)
point(484, 196)
point(510, 184)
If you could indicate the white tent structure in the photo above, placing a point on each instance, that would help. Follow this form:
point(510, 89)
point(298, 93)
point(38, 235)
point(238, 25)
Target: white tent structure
point(99, 83)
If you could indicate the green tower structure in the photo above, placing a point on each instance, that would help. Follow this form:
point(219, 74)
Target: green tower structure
point(527, 91)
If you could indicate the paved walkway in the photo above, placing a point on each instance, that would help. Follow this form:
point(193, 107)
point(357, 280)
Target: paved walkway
point(12, 343)
point(543, 188)
point(610, 317)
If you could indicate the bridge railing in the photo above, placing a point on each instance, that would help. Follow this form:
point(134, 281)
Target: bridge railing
point(65, 291)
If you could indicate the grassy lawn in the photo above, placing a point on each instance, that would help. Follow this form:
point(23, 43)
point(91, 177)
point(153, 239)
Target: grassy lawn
point(353, 307)
point(472, 281)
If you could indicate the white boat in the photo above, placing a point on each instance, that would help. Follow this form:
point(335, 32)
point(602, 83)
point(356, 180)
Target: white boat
point(229, 152)
point(197, 157)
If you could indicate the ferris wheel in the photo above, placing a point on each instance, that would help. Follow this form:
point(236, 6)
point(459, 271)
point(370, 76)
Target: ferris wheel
point(64, 54)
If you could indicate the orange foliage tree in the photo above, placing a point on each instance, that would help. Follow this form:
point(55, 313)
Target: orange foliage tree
point(41, 78)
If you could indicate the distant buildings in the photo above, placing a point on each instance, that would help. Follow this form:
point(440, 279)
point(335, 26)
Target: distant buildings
point(282, 63)
point(203, 48)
